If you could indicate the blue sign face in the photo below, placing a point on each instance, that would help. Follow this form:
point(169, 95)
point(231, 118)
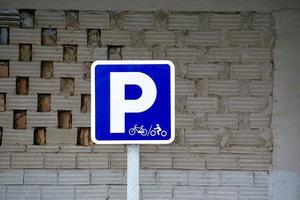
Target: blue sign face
point(133, 102)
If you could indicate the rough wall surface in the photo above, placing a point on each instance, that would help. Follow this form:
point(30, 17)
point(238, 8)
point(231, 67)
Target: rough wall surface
point(223, 104)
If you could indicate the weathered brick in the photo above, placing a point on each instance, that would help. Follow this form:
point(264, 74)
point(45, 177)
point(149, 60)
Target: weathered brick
point(118, 160)
point(158, 161)
point(156, 192)
point(90, 192)
point(23, 192)
point(226, 54)
point(160, 38)
point(181, 21)
point(226, 193)
point(40, 177)
point(182, 54)
point(100, 20)
point(229, 120)
point(65, 103)
point(188, 193)
point(222, 161)
point(46, 53)
point(71, 37)
point(11, 176)
point(260, 88)
point(247, 104)
point(6, 119)
point(202, 104)
point(108, 177)
point(59, 160)
point(44, 102)
point(136, 53)
point(115, 38)
point(245, 71)
point(223, 87)
point(9, 52)
point(61, 136)
point(171, 177)
point(22, 102)
point(138, 21)
point(42, 119)
point(81, 119)
point(27, 160)
point(198, 70)
point(188, 161)
point(27, 69)
point(73, 177)
point(14, 136)
point(44, 86)
point(50, 19)
point(4, 160)
point(91, 54)
point(204, 38)
point(92, 161)
point(57, 192)
point(225, 21)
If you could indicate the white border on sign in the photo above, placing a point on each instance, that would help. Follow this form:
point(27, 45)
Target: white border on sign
point(133, 62)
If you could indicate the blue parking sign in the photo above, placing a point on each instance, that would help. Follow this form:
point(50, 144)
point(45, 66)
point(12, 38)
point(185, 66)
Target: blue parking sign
point(132, 102)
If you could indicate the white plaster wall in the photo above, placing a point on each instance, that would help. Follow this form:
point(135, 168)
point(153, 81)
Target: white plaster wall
point(286, 110)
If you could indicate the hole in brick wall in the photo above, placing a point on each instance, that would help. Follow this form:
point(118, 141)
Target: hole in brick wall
point(94, 38)
point(49, 37)
point(2, 102)
point(39, 136)
point(87, 70)
point(64, 119)
point(27, 18)
point(4, 35)
point(22, 85)
point(25, 52)
point(4, 68)
point(47, 69)
point(85, 103)
point(114, 52)
point(67, 86)
point(44, 102)
point(1, 133)
point(20, 119)
point(72, 20)
point(84, 137)
point(70, 53)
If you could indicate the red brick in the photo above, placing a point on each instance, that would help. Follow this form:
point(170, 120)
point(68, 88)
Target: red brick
point(44, 102)
point(4, 69)
point(20, 119)
point(39, 136)
point(47, 69)
point(84, 137)
point(22, 85)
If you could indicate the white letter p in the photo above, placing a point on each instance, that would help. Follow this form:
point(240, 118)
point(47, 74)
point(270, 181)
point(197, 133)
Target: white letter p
point(119, 105)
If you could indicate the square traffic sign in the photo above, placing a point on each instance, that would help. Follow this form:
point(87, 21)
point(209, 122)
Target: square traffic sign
point(132, 102)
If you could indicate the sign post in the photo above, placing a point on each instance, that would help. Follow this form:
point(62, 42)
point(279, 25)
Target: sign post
point(133, 172)
point(133, 102)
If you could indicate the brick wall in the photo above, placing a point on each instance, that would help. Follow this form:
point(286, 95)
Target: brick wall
point(223, 104)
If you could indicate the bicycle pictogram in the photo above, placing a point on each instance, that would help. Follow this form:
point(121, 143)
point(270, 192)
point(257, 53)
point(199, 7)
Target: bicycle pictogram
point(139, 130)
point(157, 130)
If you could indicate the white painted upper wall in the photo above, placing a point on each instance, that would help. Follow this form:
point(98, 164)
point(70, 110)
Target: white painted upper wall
point(150, 5)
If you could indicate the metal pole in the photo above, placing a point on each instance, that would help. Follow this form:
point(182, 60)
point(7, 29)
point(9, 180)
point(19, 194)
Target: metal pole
point(133, 169)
